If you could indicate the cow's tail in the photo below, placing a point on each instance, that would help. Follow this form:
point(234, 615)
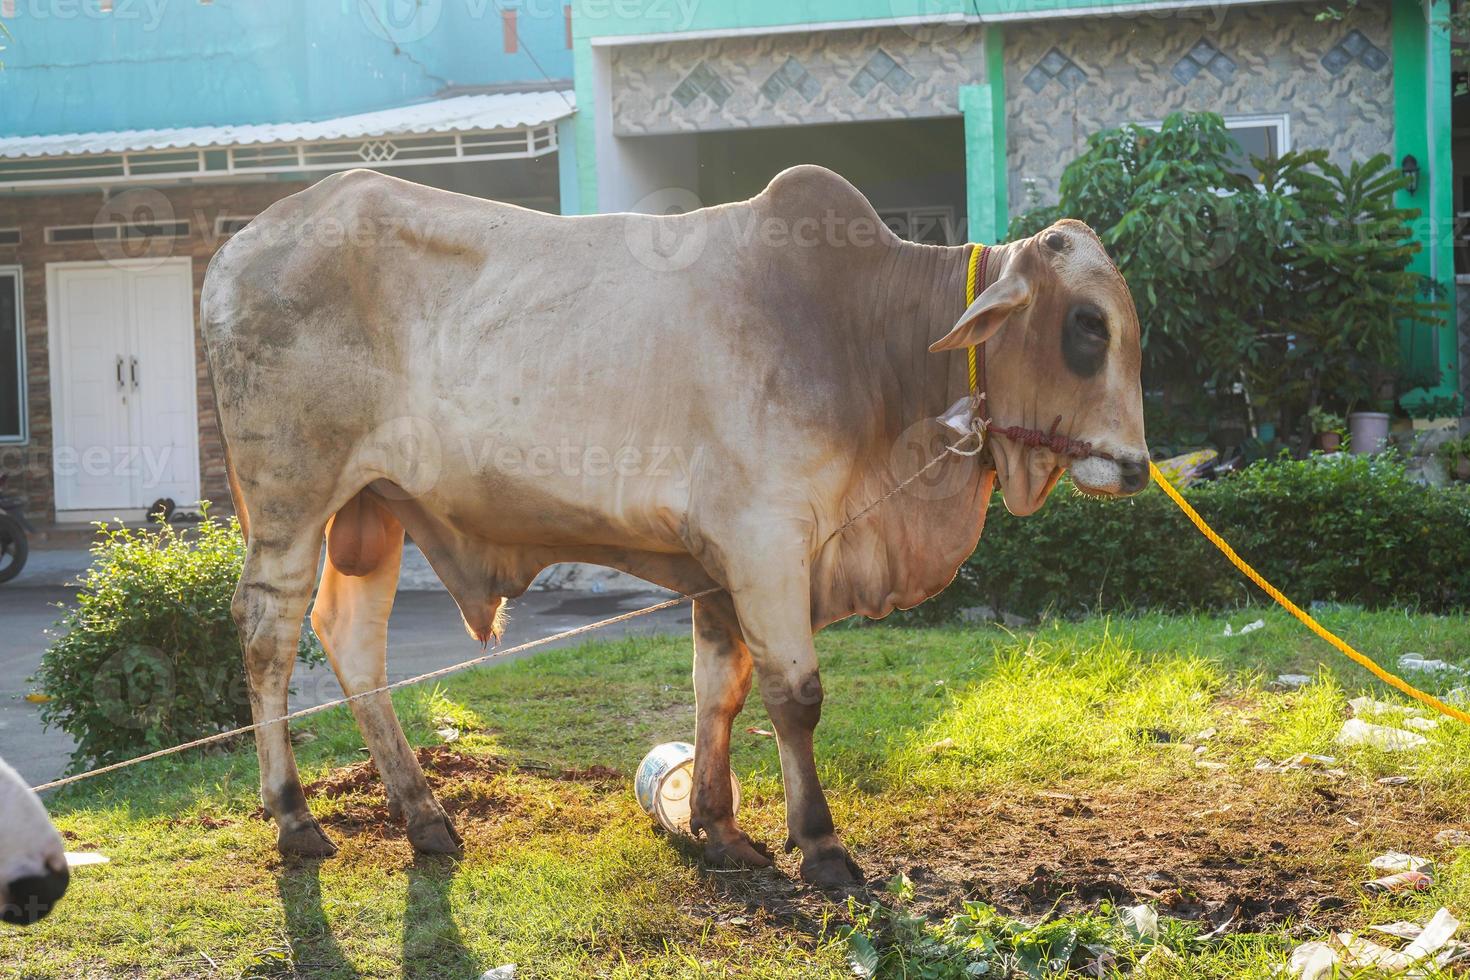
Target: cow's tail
point(241, 513)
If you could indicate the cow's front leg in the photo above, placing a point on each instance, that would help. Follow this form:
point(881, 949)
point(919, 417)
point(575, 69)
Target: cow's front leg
point(721, 683)
point(773, 602)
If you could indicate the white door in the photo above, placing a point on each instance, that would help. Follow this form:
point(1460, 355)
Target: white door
point(123, 385)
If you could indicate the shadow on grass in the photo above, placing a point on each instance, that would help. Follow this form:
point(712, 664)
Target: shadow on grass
point(314, 950)
point(782, 898)
point(432, 944)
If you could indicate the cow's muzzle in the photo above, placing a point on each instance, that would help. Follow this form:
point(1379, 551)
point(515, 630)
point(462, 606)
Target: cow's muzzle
point(1121, 476)
point(28, 900)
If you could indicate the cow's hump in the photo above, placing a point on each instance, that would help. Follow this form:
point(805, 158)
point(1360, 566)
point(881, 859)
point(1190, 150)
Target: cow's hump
point(813, 191)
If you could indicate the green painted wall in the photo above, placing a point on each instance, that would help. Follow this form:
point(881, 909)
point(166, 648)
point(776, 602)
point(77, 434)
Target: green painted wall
point(984, 108)
point(1421, 64)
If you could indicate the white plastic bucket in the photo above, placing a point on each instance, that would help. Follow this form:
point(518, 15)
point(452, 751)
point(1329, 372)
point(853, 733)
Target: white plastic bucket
point(664, 786)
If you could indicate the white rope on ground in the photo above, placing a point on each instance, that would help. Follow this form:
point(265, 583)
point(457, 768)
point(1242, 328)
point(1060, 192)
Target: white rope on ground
point(464, 665)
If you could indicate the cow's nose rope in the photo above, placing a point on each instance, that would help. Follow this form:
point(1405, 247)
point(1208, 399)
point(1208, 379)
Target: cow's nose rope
point(1301, 614)
point(1062, 445)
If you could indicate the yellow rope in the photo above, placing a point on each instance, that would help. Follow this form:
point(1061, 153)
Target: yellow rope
point(971, 291)
point(1297, 611)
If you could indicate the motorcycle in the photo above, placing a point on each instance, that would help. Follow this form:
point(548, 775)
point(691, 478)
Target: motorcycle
point(14, 547)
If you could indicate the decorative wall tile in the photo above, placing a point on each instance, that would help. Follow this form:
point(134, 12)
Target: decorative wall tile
point(1354, 47)
point(1054, 65)
point(1204, 56)
point(881, 69)
point(701, 81)
point(1260, 60)
point(796, 79)
point(791, 77)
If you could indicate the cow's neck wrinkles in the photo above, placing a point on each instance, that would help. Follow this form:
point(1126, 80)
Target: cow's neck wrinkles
point(918, 299)
point(911, 545)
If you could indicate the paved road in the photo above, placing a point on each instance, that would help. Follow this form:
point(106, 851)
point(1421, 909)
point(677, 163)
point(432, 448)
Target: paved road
point(425, 633)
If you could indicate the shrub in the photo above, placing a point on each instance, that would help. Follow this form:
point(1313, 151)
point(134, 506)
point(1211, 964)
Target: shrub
point(148, 656)
point(1292, 281)
point(1352, 529)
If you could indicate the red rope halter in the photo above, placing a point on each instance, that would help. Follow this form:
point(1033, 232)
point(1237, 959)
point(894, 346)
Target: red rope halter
point(1031, 438)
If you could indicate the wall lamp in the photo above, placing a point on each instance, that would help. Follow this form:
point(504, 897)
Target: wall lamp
point(1410, 167)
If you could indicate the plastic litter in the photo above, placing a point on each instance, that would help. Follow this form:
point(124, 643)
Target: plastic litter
point(1304, 761)
point(1371, 706)
point(82, 859)
point(1398, 884)
point(507, 972)
point(1415, 661)
point(1142, 921)
point(1395, 861)
point(1394, 780)
point(1431, 946)
point(1291, 682)
point(1452, 838)
point(1356, 731)
point(1312, 961)
point(1247, 628)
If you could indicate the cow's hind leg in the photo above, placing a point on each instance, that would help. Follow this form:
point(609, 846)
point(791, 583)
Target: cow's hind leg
point(269, 607)
point(365, 548)
point(721, 682)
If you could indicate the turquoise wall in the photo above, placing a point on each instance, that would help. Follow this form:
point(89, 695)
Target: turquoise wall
point(68, 67)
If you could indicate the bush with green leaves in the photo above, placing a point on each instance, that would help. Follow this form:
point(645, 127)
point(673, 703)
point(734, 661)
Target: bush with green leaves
point(1348, 529)
point(148, 656)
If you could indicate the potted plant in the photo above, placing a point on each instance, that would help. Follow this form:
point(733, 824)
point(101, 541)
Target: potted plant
point(1456, 456)
point(1328, 429)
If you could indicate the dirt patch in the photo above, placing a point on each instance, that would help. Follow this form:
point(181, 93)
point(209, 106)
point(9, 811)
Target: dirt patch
point(365, 809)
point(1251, 854)
point(1255, 853)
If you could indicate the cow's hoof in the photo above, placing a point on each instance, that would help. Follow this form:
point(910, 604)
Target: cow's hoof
point(737, 852)
point(435, 835)
point(305, 840)
point(831, 867)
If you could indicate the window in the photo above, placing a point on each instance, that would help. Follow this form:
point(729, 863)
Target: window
point(227, 225)
point(12, 358)
point(9, 236)
point(71, 234)
point(928, 226)
point(1258, 136)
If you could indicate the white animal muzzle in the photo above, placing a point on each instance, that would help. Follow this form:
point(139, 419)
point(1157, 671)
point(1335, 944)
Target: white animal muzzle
point(33, 870)
point(1122, 476)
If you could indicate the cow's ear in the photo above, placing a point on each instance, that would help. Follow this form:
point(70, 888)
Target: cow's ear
point(979, 323)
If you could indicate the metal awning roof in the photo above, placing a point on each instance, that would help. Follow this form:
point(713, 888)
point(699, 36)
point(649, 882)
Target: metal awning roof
point(504, 125)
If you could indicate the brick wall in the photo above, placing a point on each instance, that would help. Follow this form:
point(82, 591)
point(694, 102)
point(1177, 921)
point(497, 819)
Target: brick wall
point(29, 466)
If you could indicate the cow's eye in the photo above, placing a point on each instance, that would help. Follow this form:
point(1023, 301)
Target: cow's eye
point(1092, 323)
point(1085, 339)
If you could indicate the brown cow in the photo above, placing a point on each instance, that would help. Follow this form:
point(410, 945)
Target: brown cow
point(701, 400)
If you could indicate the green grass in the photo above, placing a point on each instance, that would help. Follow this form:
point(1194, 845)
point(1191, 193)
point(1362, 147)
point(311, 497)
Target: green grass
point(566, 878)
